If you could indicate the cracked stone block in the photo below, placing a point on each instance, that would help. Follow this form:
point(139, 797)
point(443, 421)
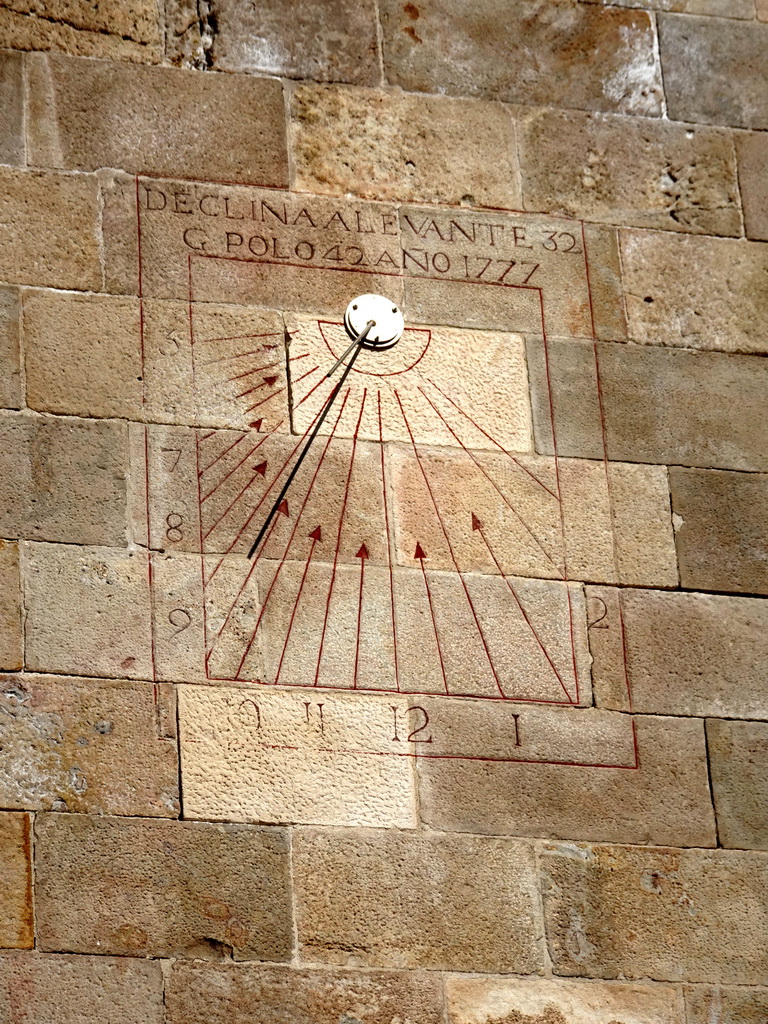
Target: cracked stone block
point(217, 890)
point(332, 42)
point(648, 173)
point(532, 52)
point(86, 114)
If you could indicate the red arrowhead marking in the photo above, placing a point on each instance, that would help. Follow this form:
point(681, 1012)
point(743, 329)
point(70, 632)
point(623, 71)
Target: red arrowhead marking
point(256, 424)
point(283, 507)
point(363, 552)
point(420, 552)
point(476, 524)
point(269, 381)
point(317, 534)
point(261, 469)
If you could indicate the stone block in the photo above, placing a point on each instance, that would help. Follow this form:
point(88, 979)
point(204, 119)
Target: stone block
point(725, 1004)
point(84, 115)
point(721, 542)
point(608, 312)
point(659, 405)
point(715, 8)
point(11, 640)
point(107, 30)
point(277, 757)
point(11, 109)
point(16, 920)
point(488, 50)
point(333, 43)
point(489, 1000)
point(663, 797)
point(686, 654)
point(90, 747)
point(397, 146)
point(62, 479)
point(606, 906)
point(738, 757)
point(49, 234)
point(651, 174)
point(88, 611)
point(10, 368)
point(714, 70)
point(606, 525)
point(703, 293)
point(761, 8)
point(216, 890)
point(377, 898)
point(752, 157)
point(47, 988)
point(228, 993)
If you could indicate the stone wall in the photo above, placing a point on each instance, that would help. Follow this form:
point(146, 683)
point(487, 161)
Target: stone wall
point(480, 734)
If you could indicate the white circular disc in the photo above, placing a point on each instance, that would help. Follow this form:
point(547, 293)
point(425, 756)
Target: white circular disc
point(388, 320)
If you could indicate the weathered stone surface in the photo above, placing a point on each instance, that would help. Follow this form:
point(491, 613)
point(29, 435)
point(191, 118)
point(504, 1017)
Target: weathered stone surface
point(652, 174)
point(490, 1000)
point(50, 989)
point(124, 31)
point(10, 370)
point(738, 756)
point(11, 109)
point(659, 405)
point(85, 114)
point(761, 7)
point(11, 657)
point(80, 745)
point(397, 899)
point(716, 8)
point(704, 293)
point(606, 906)
point(88, 611)
point(62, 480)
point(234, 994)
point(752, 156)
point(399, 146)
point(49, 229)
point(488, 50)
point(270, 756)
point(613, 525)
point(687, 654)
point(216, 889)
point(84, 357)
point(721, 542)
point(714, 71)
point(726, 1005)
point(16, 922)
point(608, 312)
point(665, 800)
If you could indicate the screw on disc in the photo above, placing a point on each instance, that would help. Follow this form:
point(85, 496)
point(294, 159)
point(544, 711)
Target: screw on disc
point(388, 322)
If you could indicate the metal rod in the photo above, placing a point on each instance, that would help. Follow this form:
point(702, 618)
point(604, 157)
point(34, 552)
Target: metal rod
point(355, 341)
point(359, 342)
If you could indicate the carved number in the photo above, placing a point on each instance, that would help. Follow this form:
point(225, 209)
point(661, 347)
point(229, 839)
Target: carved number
point(174, 521)
point(174, 462)
point(561, 241)
point(598, 622)
point(181, 619)
point(413, 736)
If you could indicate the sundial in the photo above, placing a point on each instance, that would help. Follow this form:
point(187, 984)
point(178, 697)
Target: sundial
point(355, 550)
